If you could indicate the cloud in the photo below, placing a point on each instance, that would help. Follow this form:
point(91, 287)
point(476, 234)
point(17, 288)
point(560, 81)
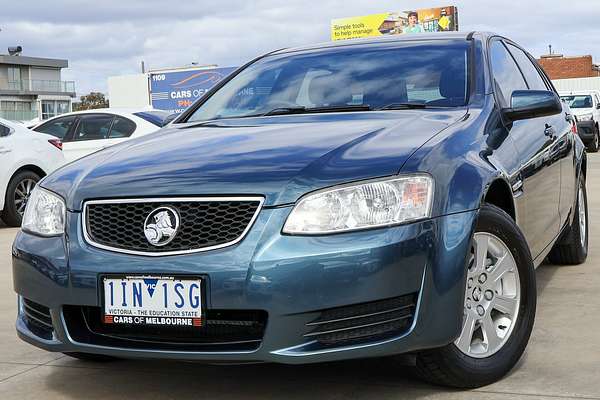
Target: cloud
point(112, 37)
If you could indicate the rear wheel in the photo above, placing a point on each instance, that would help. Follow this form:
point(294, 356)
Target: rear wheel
point(17, 194)
point(573, 246)
point(499, 308)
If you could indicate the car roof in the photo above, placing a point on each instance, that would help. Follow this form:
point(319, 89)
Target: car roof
point(113, 110)
point(384, 39)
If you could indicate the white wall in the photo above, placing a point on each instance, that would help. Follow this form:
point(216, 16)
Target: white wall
point(567, 85)
point(129, 91)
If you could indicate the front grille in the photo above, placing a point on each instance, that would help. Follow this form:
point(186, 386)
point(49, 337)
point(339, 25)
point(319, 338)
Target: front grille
point(223, 330)
point(38, 318)
point(364, 322)
point(204, 223)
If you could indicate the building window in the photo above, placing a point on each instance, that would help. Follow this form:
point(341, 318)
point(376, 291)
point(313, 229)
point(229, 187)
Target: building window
point(17, 110)
point(48, 109)
point(15, 81)
point(52, 108)
point(62, 107)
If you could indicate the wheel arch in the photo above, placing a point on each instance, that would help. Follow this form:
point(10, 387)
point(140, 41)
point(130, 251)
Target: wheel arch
point(499, 193)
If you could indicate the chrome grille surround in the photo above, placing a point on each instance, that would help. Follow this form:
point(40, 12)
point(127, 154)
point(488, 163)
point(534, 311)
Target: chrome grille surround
point(162, 200)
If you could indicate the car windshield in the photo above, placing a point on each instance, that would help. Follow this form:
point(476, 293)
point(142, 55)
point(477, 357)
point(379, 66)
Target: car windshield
point(582, 101)
point(345, 78)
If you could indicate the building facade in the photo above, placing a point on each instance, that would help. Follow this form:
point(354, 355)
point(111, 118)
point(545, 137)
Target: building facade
point(558, 66)
point(31, 88)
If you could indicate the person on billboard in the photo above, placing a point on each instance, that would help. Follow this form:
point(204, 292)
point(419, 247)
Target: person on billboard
point(413, 24)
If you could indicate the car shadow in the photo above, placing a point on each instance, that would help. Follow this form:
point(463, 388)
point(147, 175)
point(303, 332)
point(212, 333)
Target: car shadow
point(371, 378)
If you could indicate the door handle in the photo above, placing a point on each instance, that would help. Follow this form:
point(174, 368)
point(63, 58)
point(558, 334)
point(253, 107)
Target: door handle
point(550, 132)
point(4, 150)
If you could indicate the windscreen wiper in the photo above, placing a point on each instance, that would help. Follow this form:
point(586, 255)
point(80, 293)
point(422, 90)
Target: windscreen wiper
point(285, 111)
point(403, 106)
point(322, 109)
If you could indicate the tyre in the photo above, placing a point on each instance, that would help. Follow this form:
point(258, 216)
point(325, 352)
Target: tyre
point(17, 194)
point(572, 248)
point(90, 357)
point(595, 143)
point(499, 308)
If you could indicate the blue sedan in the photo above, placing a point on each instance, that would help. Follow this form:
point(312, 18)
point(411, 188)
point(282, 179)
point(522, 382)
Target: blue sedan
point(344, 200)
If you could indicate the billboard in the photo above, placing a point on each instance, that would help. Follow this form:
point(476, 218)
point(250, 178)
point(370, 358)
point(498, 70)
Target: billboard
point(174, 91)
point(396, 23)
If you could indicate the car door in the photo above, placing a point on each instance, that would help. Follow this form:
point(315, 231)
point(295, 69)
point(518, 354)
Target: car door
point(560, 126)
point(7, 157)
point(537, 182)
point(90, 135)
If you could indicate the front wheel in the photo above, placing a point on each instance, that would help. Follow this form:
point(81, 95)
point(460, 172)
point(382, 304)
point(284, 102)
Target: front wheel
point(499, 308)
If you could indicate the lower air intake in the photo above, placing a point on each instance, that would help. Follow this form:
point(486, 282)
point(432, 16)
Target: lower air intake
point(38, 318)
point(364, 322)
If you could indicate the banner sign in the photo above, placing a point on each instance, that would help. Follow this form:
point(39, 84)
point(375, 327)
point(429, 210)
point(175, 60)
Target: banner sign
point(396, 23)
point(175, 91)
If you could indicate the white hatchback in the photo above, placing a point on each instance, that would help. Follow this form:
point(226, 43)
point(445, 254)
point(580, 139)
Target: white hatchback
point(25, 157)
point(85, 132)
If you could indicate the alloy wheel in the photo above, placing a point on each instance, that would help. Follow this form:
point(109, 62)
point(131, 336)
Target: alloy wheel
point(492, 299)
point(582, 216)
point(22, 193)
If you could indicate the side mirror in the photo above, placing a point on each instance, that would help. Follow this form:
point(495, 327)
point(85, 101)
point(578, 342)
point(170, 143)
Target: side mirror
point(169, 119)
point(598, 106)
point(526, 104)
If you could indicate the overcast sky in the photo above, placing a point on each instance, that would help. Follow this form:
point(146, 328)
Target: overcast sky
point(112, 37)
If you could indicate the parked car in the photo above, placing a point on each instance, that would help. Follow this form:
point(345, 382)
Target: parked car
point(373, 198)
point(25, 157)
point(586, 108)
point(85, 132)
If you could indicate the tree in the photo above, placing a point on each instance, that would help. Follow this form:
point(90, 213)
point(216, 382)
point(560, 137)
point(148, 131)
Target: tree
point(91, 101)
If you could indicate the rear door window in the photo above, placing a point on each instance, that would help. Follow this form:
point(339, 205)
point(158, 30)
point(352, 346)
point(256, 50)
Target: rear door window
point(4, 130)
point(93, 127)
point(531, 73)
point(58, 127)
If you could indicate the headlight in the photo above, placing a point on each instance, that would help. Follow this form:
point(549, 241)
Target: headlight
point(44, 214)
point(586, 117)
point(362, 205)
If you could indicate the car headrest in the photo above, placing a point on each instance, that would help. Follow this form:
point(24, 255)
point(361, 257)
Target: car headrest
point(394, 92)
point(453, 84)
point(329, 90)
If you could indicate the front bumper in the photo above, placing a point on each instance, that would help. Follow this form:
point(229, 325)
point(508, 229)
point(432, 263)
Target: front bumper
point(291, 278)
point(586, 131)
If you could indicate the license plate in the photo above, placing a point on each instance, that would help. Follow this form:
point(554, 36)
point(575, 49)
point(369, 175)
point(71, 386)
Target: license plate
point(151, 300)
